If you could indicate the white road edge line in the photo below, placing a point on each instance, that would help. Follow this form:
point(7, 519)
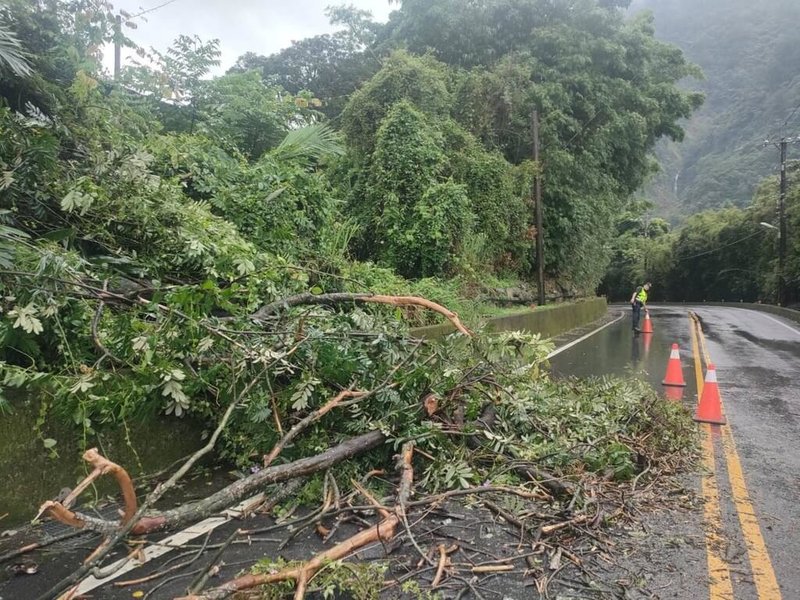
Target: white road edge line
point(797, 331)
point(585, 337)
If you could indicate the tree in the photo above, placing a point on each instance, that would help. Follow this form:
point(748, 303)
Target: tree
point(605, 86)
point(12, 56)
point(330, 66)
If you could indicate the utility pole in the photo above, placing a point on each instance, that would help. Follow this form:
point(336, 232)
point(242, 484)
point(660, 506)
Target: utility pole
point(117, 45)
point(782, 229)
point(537, 191)
point(782, 145)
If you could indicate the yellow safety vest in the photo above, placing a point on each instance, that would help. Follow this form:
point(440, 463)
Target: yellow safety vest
point(642, 296)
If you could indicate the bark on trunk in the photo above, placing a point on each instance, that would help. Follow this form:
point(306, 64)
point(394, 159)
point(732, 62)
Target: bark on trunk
point(244, 487)
point(230, 495)
point(341, 298)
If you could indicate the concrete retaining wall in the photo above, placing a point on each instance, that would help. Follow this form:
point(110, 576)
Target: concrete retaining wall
point(788, 313)
point(549, 321)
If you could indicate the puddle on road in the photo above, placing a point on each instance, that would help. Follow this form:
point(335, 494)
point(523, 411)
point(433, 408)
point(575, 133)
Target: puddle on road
point(616, 350)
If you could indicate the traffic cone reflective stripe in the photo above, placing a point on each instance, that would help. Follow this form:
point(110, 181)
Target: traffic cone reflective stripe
point(674, 375)
point(709, 410)
point(647, 327)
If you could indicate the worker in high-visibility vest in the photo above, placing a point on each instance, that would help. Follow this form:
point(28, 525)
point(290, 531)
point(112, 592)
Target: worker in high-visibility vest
point(638, 303)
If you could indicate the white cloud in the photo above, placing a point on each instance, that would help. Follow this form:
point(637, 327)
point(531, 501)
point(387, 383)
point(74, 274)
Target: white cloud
point(260, 26)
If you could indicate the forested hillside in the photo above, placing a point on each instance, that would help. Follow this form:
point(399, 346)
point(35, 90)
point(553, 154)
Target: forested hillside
point(149, 220)
point(749, 53)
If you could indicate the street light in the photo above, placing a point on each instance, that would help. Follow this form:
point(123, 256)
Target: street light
point(771, 226)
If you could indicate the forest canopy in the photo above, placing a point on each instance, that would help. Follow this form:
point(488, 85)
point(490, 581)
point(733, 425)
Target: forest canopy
point(138, 211)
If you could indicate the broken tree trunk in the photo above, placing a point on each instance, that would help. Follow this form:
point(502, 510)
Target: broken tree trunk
point(102, 466)
point(341, 298)
point(235, 492)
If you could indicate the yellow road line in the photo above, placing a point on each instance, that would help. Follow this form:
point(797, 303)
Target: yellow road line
point(760, 563)
point(703, 342)
point(719, 584)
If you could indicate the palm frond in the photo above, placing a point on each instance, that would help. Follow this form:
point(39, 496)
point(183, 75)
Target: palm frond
point(12, 55)
point(312, 143)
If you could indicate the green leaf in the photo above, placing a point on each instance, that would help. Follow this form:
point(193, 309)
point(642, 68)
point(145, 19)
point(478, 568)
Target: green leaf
point(26, 319)
point(59, 235)
point(49, 443)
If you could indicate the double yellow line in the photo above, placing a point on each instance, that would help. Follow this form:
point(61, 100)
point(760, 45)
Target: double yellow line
point(720, 587)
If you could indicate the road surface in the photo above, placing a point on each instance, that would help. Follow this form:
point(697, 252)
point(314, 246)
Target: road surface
point(746, 534)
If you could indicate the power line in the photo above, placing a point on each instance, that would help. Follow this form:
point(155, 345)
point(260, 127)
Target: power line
point(153, 9)
point(733, 243)
point(785, 123)
point(794, 112)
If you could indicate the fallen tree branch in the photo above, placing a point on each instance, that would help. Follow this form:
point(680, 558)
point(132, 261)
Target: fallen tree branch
point(239, 490)
point(102, 466)
point(340, 298)
point(301, 575)
point(123, 530)
point(309, 420)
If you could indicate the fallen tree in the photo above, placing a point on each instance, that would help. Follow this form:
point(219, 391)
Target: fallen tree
point(319, 371)
point(224, 498)
point(383, 532)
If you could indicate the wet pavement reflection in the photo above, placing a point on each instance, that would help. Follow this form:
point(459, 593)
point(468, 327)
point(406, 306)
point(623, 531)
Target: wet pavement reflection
point(617, 350)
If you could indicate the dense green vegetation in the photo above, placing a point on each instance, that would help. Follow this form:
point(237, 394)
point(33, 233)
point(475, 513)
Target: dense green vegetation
point(749, 52)
point(146, 220)
point(471, 77)
point(724, 254)
point(232, 250)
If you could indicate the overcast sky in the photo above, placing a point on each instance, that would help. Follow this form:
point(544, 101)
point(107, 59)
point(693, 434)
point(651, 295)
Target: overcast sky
point(260, 26)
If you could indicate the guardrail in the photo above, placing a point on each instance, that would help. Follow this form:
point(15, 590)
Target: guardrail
point(788, 313)
point(549, 321)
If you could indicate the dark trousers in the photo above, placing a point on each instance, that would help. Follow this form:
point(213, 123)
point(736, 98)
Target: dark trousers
point(637, 313)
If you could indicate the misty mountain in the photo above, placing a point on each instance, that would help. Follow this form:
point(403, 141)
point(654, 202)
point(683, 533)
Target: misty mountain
point(749, 51)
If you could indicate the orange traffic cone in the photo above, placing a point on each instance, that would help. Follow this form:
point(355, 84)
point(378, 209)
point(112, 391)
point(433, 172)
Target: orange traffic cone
point(647, 326)
point(673, 392)
point(674, 374)
point(710, 408)
point(647, 338)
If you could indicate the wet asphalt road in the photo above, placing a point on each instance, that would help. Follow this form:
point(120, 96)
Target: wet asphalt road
point(758, 366)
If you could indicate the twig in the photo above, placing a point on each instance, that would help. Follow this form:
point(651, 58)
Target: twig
point(182, 565)
point(492, 568)
point(37, 545)
point(154, 496)
point(199, 582)
point(301, 575)
point(437, 579)
point(340, 298)
point(310, 419)
point(477, 490)
point(161, 584)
